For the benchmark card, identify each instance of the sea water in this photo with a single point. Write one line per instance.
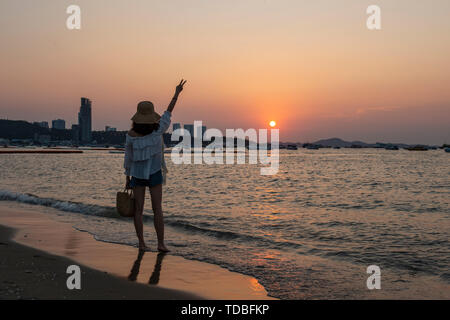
(309, 232)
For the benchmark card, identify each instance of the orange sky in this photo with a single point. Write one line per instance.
(312, 66)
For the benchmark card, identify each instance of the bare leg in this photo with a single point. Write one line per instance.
(156, 195)
(139, 198)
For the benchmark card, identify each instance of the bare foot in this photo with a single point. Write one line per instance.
(162, 248)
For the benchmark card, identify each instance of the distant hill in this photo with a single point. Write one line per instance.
(336, 142)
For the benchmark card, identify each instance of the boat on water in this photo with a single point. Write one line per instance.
(417, 148)
(391, 148)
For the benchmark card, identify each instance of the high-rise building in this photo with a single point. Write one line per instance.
(59, 124)
(85, 120)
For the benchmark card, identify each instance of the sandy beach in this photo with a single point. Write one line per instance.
(36, 250)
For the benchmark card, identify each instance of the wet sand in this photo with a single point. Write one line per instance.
(28, 273)
(36, 250)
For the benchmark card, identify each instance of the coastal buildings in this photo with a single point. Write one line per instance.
(176, 126)
(43, 124)
(190, 129)
(75, 134)
(194, 131)
(85, 121)
(42, 138)
(203, 131)
(200, 131)
(59, 124)
(4, 142)
(110, 129)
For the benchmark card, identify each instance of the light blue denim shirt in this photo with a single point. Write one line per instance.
(143, 155)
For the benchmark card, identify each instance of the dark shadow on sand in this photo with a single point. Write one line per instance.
(154, 278)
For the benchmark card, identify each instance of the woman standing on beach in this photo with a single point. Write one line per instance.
(143, 163)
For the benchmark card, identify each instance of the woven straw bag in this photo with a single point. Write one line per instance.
(125, 203)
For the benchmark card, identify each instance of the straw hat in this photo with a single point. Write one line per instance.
(146, 113)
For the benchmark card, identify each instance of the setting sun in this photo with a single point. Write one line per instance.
(272, 123)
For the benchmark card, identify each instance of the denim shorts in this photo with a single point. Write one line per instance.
(154, 180)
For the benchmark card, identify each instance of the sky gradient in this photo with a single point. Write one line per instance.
(312, 66)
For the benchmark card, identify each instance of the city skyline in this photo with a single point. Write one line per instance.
(314, 68)
(189, 127)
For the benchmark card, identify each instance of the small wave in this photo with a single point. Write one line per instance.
(196, 229)
(338, 224)
(68, 206)
(230, 235)
(446, 277)
(110, 212)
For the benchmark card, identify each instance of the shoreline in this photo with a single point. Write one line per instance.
(36, 251)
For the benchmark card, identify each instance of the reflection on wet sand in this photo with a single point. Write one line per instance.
(136, 266)
(72, 244)
(154, 278)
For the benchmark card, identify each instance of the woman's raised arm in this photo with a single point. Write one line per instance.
(178, 89)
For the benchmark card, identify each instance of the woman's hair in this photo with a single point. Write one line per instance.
(144, 128)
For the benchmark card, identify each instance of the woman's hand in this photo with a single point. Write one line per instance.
(127, 183)
(180, 86)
